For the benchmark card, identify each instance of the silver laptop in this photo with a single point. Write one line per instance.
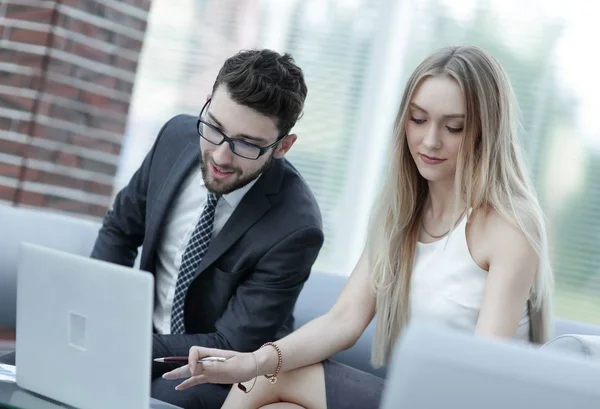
(438, 368)
(84, 330)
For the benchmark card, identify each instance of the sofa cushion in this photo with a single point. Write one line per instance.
(57, 231)
(566, 327)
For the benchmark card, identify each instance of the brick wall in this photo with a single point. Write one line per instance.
(67, 69)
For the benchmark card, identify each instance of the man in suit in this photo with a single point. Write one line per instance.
(227, 226)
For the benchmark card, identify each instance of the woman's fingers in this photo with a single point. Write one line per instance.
(184, 372)
(201, 352)
(193, 357)
(236, 368)
(181, 372)
(194, 380)
(197, 353)
(214, 372)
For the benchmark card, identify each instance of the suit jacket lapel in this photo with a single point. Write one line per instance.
(177, 174)
(252, 207)
(240, 221)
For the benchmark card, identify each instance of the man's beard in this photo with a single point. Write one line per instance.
(238, 179)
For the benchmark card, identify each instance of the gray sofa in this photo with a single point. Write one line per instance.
(58, 231)
(321, 291)
(77, 236)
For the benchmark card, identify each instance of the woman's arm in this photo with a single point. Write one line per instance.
(314, 342)
(337, 330)
(513, 264)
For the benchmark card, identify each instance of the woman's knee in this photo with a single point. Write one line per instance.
(259, 394)
(303, 386)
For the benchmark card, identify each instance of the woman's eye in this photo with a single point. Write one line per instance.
(417, 120)
(454, 130)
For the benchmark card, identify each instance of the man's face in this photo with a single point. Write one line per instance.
(222, 170)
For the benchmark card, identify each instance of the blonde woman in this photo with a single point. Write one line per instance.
(457, 237)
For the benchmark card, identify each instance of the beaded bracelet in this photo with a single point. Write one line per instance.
(273, 377)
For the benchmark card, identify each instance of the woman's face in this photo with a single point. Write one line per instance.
(435, 127)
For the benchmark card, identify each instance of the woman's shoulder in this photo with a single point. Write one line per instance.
(494, 223)
(492, 234)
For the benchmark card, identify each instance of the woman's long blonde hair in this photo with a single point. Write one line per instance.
(490, 174)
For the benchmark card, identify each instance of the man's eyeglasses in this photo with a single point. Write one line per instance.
(247, 150)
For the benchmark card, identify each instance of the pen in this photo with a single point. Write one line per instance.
(184, 359)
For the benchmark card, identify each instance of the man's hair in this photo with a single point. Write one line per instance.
(268, 82)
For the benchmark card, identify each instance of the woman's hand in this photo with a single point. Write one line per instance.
(238, 367)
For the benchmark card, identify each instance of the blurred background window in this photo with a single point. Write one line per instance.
(357, 55)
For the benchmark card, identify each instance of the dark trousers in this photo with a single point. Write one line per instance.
(206, 396)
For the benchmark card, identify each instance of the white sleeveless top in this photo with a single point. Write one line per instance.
(447, 285)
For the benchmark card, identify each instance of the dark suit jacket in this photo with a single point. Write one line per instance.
(247, 284)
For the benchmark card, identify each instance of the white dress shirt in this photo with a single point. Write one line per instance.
(180, 223)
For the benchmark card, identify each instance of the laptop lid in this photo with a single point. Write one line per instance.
(84, 330)
(440, 368)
